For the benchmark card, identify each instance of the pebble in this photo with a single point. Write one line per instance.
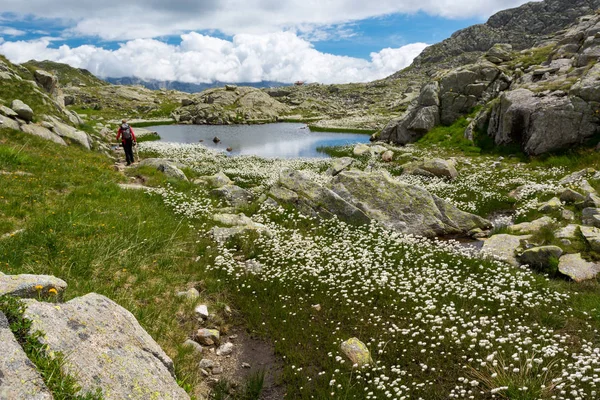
(316, 307)
(225, 349)
(205, 363)
(245, 365)
(202, 311)
(195, 345)
(217, 370)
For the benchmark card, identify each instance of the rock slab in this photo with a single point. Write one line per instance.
(31, 286)
(578, 269)
(18, 377)
(105, 347)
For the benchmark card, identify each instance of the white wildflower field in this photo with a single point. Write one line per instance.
(440, 320)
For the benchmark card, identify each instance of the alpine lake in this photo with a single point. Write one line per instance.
(277, 140)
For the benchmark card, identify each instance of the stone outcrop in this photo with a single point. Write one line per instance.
(578, 269)
(105, 347)
(169, 168)
(432, 167)
(222, 106)
(504, 247)
(23, 110)
(31, 286)
(18, 377)
(358, 197)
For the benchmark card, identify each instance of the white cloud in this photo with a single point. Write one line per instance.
(8, 31)
(119, 20)
(280, 56)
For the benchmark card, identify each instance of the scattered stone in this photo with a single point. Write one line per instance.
(283, 194)
(585, 187)
(234, 195)
(65, 131)
(207, 337)
(229, 149)
(245, 365)
(23, 110)
(540, 257)
(218, 180)
(531, 227)
(591, 217)
(592, 201)
(165, 166)
(7, 112)
(356, 351)
(201, 311)
(225, 349)
(388, 156)
(18, 377)
(31, 286)
(552, 205)
(316, 307)
(500, 53)
(574, 177)
(571, 196)
(504, 247)
(568, 232)
(435, 166)
(205, 363)
(216, 140)
(195, 345)
(339, 164)
(105, 347)
(190, 294)
(6, 122)
(568, 215)
(592, 236)
(377, 149)
(204, 372)
(575, 267)
(217, 370)
(361, 149)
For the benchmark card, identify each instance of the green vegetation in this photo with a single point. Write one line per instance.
(146, 124)
(451, 137)
(66, 74)
(315, 128)
(535, 56)
(61, 385)
(148, 138)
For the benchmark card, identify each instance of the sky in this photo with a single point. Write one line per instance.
(203, 41)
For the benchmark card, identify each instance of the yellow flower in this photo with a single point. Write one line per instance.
(52, 291)
(38, 287)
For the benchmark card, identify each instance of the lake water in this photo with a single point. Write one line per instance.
(282, 140)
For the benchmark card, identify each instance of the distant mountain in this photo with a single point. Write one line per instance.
(188, 87)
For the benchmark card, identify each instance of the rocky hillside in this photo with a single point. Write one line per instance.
(543, 99)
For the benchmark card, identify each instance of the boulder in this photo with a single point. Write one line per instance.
(592, 236)
(499, 53)
(7, 112)
(567, 215)
(361, 149)
(208, 337)
(31, 286)
(540, 257)
(578, 269)
(388, 156)
(201, 311)
(571, 196)
(282, 194)
(218, 180)
(403, 207)
(234, 195)
(42, 132)
(574, 177)
(105, 347)
(18, 377)
(541, 125)
(504, 247)
(591, 217)
(531, 227)
(436, 167)
(165, 166)
(23, 110)
(10, 123)
(339, 164)
(377, 149)
(46, 80)
(235, 220)
(357, 352)
(65, 131)
(553, 204)
(592, 201)
(319, 200)
(568, 232)
(225, 349)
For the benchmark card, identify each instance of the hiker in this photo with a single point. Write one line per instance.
(128, 139)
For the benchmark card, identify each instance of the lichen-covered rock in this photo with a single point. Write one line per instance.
(42, 132)
(340, 164)
(504, 247)
(6, 122)
(578, 269)
(592, 201)
(105, 347)
(234, 195)
(18, 377)
(31, 286)
(65, 131)
(571, 196)
(500, 53)
(541, 257)
(361, 149)
(167, 167)
(435, 166)
(551, 205)
(218, 180)
(592, 236)
(357, 352)
(531, 227)
(568, 232)
(208, 337)
(591, 217)
(23, 110)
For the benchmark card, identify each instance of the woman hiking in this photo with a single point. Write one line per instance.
(128, 139)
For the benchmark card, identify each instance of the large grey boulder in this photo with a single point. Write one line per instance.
(540, 257)
(105, 347)
(541, 125)
(434, 166)
(403, 207)
(571, 196)
(234, 195)
(592, 201)
(31, 286)
(500, 53)
(18, 377)
(592, 236)
(46, 80)
(7, 112)
(591, 217)
(218, 180)
(43, 133)
(6, 122)
(65, 131)
(504, 247)
(578, 269)
(23, 110)
(320, 200)
(167, 167)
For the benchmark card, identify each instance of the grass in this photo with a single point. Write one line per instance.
(153, 123)
(314, 128)
(451, 137)
(61, 385)
(148, 138)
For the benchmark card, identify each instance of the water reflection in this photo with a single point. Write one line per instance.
(282, 140)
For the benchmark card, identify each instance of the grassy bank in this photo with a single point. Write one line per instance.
(315, 128)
